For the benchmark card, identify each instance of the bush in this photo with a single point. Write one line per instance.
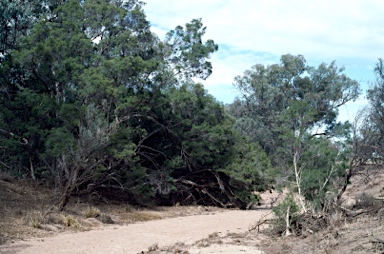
(288, 205)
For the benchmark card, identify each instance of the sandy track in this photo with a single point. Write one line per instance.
(134, 238)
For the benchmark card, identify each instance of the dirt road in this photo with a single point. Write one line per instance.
(134, 238)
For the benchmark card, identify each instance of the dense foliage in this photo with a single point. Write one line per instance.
(93, 101)
(291, 109)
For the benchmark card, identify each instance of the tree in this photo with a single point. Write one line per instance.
(367, 140)
(373, 128)
(286, 106)
(186, 52)
(93, 100)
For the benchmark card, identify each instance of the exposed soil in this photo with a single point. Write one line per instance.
(141, 236)
(112, 228)
(117, 228)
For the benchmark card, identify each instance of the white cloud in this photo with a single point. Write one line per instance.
(306, 27)
(260, 31)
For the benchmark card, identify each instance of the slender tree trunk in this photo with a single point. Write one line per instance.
(298, 181)
(287, 225)
(347, 177)
(31, 168)
(68, 190)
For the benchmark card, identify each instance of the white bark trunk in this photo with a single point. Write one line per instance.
(298, 182)
(287, 225)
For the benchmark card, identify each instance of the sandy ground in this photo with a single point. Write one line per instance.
(140, 237)
(134, 238)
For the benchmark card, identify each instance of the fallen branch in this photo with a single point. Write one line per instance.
(204, 191)
(351, 213)
(260, 222)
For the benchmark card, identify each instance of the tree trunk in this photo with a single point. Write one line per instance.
(68, 190)
(31, 168)
(287, 223)
(298, 181)
(347, 177)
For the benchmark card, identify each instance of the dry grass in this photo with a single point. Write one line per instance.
(178, 248)
(92, 212)
(69, 221)
(139, 216)
(34, 219)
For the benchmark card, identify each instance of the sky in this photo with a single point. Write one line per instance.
(260, 31)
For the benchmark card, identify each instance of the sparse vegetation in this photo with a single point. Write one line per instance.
(153, 247)
(70, 221)
(34, 220)
(92, 212)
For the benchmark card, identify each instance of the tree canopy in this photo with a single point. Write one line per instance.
(291, 110)
(92, 100)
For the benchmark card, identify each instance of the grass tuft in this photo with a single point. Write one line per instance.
(92, 212)
(69, 221)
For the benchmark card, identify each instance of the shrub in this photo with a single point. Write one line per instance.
(286, 213)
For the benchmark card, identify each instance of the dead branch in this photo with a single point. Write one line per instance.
(218, 192)
(260, 222)
(351, 213)
(204, 191)
(5, 165)
(195, 184)
(219, 181)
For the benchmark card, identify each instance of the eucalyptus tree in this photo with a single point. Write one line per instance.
(291, 110)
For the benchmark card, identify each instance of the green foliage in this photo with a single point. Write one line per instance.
(251, 166)
(286, 210)
(186, 51)
(93, 99)
(281, 209)
(17, 17)
(325, 161)
(284, 105)
(250, 170)
(293, 95)
(204, 131)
